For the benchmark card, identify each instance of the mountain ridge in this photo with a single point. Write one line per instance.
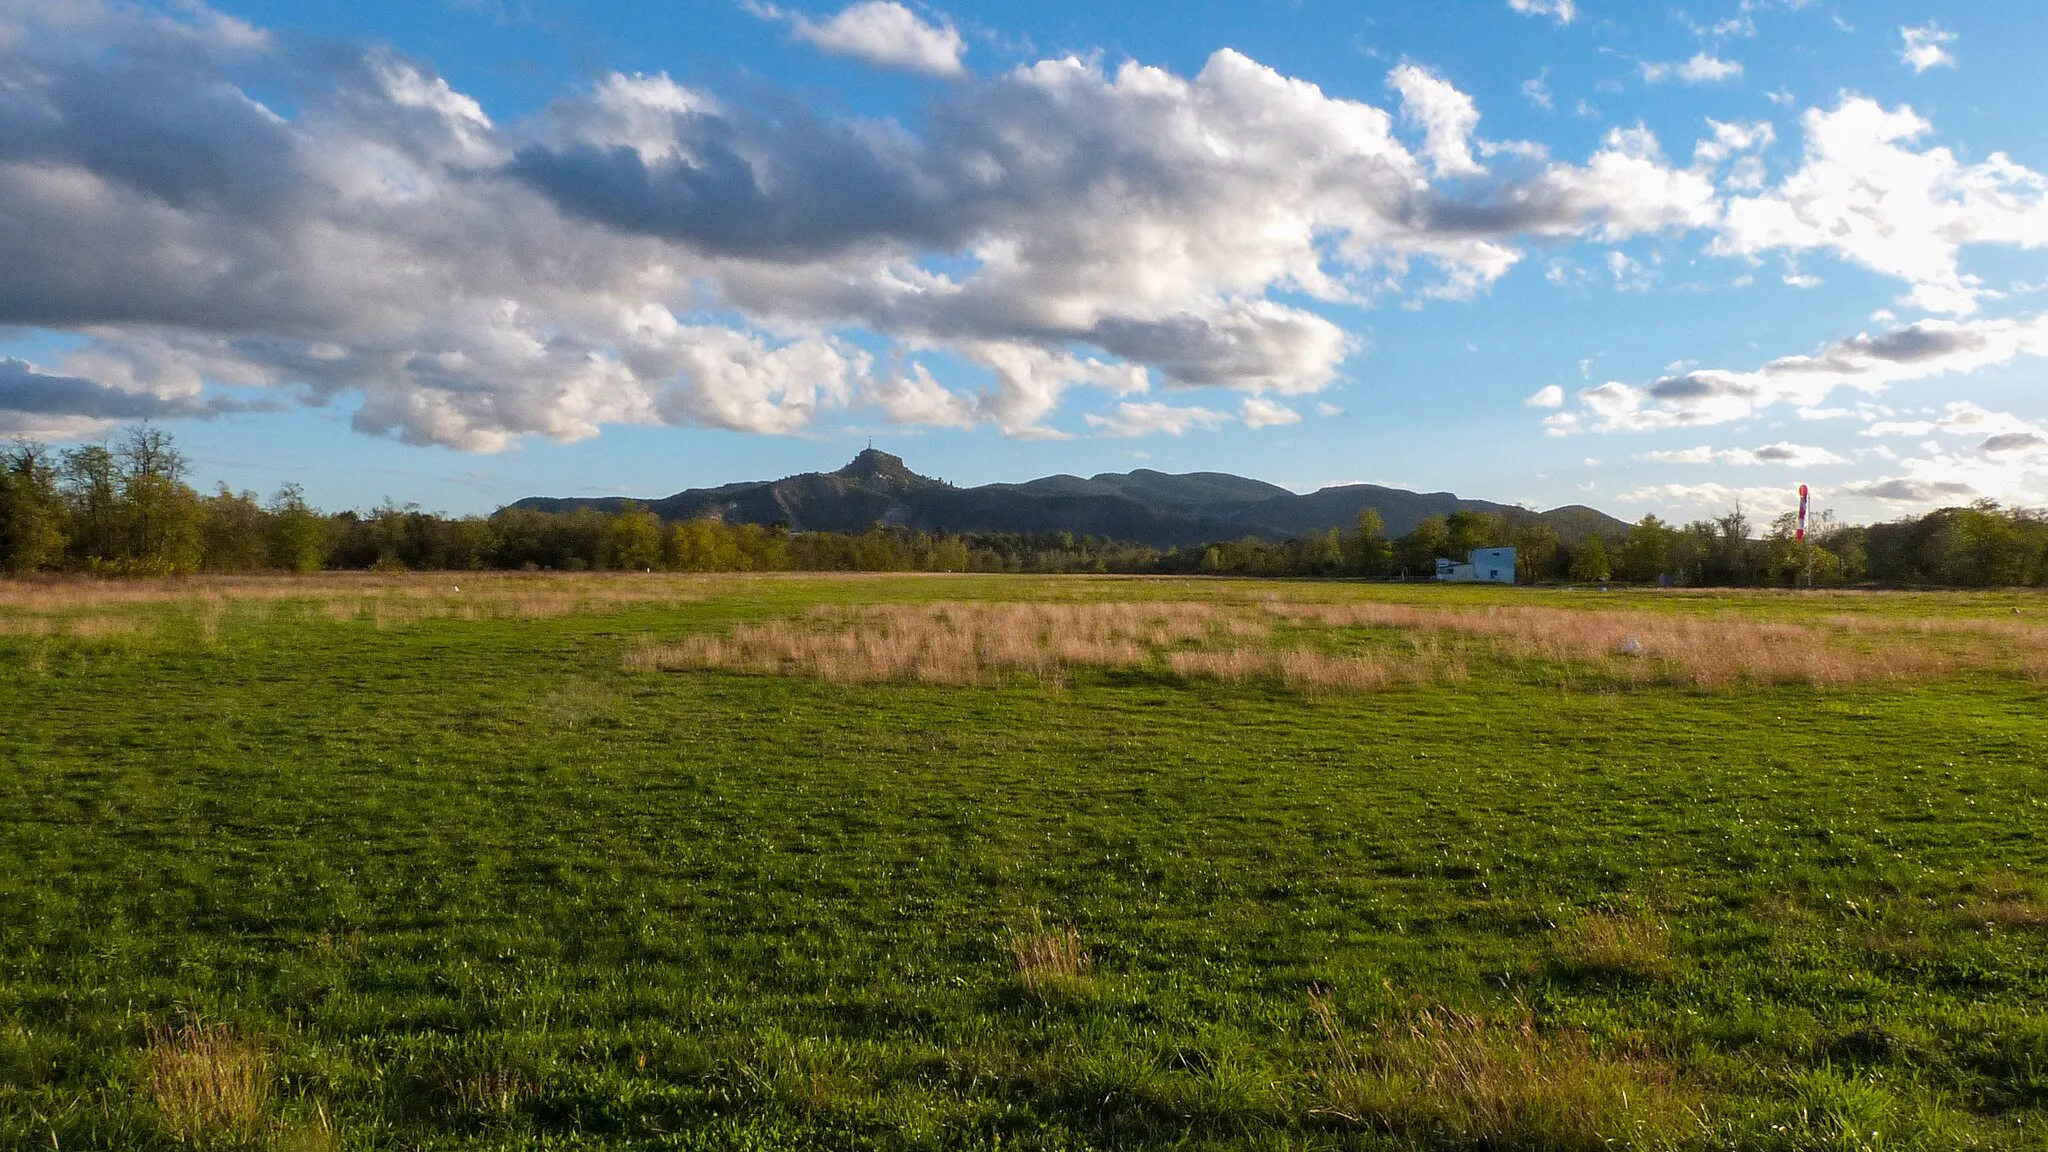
(1143, 506)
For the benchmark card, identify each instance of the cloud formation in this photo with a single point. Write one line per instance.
(1764, 500)
(1446, 116)
(1972, 453)
(1863, 195)
(1259, 412)
(646, 252)
(1926, 47)
(1700, 68)
(1149, 419)
(1961, 418)
(1864, 362)
(1908, 490)
(1782, 454)
(878, 32)
(1562, 11)
(34, 403)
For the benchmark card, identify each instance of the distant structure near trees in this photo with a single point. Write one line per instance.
(1487, 566)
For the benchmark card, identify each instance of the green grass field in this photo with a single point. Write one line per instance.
(362, 864)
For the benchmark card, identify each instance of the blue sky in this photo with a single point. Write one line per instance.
(1651, 259)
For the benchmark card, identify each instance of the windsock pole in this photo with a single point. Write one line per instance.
(1800, 535)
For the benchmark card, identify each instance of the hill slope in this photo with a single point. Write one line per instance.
(1146, 507)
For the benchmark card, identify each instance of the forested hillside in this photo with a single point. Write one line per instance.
(1142, 507)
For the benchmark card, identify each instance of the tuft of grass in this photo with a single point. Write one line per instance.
(1616, 944)
(1837, 1110)
(1434, 1076)
(209, 1084)
(315, 1134)
(491, 1091)
(1051, 961)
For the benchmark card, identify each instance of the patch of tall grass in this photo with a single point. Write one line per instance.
(210, 1084)
(1051, 961)
(1668, 647)
(978, 643)
(1438, 1076)
(952, 643)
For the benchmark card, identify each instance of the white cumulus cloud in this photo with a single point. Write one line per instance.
(880, 32)
(1926, 46)
(1149, 419)
(1962, 418)
(1562, 11)
(1757, 501)
(1446, 116)
(1732, 139)
(1867, 197)
(1700, 68)
(914, 397)
(1868, 363)
(1259, 412)
(1783, 454)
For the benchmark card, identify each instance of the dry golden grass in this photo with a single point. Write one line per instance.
(1669, 647)
(208, 1083)
(1438, 1072)
(951, 643)
(1051, 961)
(978, 643)
(383, 599)
(1055, 626)
(1615, 944)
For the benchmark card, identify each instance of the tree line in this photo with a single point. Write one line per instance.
(1979, 546)
(125, 509)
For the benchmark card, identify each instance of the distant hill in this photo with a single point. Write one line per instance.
(1145, 507)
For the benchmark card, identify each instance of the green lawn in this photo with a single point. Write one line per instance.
(455, 882)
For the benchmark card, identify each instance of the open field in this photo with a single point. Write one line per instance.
(602, 861)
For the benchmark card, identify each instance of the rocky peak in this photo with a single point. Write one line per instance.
(874, 466)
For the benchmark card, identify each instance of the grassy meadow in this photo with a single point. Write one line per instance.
(828, 862)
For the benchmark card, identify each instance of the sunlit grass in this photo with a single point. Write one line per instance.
(1082, 863)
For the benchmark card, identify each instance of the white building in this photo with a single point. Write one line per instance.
(1488, 566)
